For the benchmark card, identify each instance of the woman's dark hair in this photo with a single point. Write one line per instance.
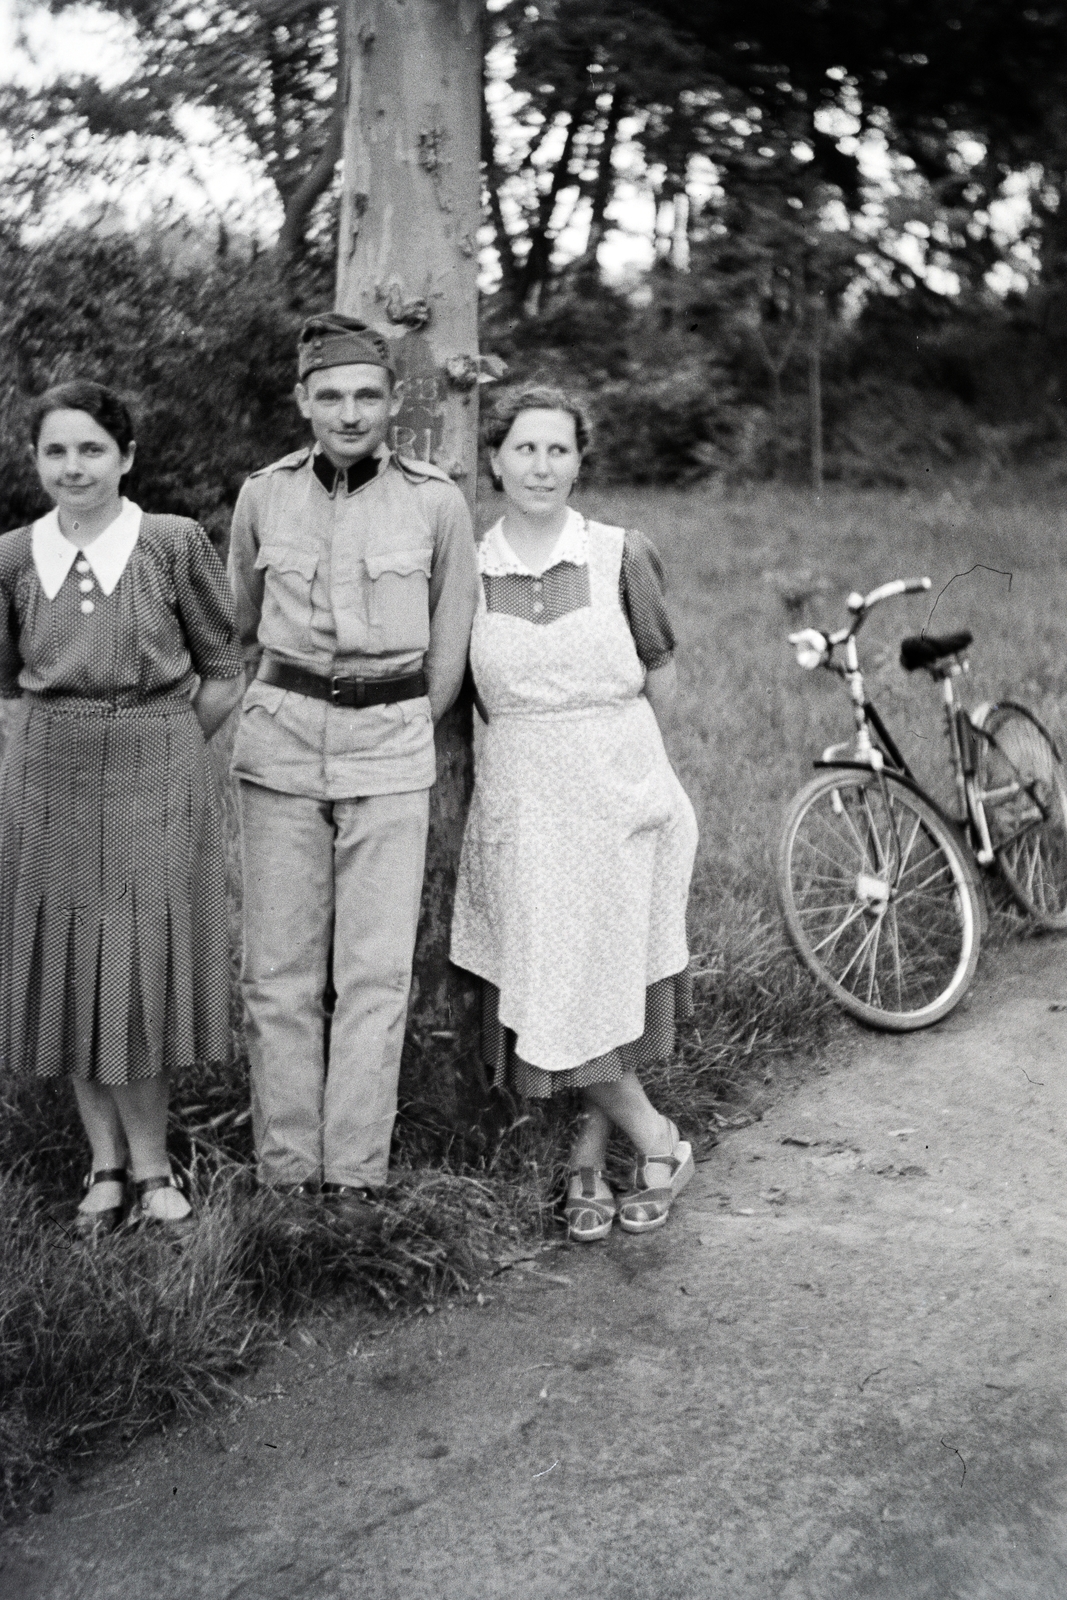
(81, 394)
(539, 397)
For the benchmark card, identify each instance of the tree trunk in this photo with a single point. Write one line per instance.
(817, 315)
(494, 180)
(407, 264)
(538, 262)
(603, 187)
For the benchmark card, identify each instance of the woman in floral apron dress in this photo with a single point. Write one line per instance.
(579, 847)
(118, 657)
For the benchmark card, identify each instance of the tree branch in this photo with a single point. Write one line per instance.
(493, 180)
(299, 202)
(603, 186)
(536, 265)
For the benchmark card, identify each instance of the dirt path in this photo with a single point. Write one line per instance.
(839, 1372)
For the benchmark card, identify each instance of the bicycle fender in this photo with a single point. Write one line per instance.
(966, 849)
(981, 714)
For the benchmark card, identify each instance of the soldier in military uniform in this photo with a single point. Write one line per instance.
(355, 580)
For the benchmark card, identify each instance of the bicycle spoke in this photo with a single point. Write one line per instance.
(906, 852)
(873, 961)
(857, 954)
(1028, 829)
(876, 899)
(832, 937)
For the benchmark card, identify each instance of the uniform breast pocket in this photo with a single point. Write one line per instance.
(399, 608)
(287, 592)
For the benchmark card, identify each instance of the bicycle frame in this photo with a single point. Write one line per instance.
(962, 727)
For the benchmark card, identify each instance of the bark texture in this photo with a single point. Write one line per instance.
(407, 264)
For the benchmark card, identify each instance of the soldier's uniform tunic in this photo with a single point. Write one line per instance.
(367, 575)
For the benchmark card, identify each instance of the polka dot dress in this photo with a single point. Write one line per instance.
(114, 959)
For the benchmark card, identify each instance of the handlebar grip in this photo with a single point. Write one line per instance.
(887, 591)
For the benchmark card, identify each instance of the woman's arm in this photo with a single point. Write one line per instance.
(214, 700)
(661, 689)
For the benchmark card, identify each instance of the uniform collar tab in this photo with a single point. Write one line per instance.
(360, 472)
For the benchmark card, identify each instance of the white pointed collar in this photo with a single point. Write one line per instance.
(498, 559)
(107, 555)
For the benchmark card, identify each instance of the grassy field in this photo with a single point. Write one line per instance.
(125, 1336)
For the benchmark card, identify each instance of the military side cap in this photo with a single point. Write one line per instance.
(331, 339)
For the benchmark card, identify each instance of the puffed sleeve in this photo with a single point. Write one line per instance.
(10, 659)
(642, 584)
(205, 607)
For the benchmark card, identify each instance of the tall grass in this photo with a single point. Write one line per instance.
(132, 1331)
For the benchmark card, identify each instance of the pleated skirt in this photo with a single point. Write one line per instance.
(114, 959)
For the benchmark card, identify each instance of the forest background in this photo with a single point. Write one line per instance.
(845, 226)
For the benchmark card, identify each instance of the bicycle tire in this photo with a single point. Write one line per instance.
(879, 899)
(1031, 851)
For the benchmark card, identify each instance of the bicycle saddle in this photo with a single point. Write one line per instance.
(922, 650)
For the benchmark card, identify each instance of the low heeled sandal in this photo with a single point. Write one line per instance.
(645, 1208)
(174, 1227)
(589, 1216)
(98, 1224)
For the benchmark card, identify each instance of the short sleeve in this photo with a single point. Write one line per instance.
(642, 583)
(205, 607)
(10, 658)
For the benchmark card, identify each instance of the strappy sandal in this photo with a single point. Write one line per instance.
(589, 1217)
(93, 1225)
(177, 1228)
(645, 1208)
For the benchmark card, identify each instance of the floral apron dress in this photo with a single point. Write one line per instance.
(579, 847)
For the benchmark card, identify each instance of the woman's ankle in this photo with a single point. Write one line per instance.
(107, 1196)
(661, 1142)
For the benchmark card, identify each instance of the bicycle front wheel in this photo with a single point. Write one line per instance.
(879, 899)
(1023, 790)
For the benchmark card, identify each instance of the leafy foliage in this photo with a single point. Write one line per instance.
(770, 96)
(201, 347)
(773, 95)
(267, 71)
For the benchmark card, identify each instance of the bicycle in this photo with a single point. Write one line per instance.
(880, 886)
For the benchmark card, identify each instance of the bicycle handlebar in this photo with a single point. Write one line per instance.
(887, 591)
(815, 648)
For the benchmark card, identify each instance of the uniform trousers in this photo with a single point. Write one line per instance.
(316, 872)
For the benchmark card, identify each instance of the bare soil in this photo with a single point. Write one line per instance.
(839, 1371)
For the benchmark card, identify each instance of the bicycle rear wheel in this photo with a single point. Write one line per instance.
(1017, 761)
(879, 899)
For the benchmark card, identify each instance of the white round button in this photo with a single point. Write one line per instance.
(83, 566)
(86, 585)
(87, 606)
(538, 607)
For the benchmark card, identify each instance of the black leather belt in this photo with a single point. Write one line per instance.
(350, 692)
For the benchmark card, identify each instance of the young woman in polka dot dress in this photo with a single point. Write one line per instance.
(118, 654)
(579, 847)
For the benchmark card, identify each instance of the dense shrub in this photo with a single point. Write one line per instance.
(201, 347)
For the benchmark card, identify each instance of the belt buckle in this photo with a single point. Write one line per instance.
(347, 692)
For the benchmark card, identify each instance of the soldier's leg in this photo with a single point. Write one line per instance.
(379, 857)
(287, 857)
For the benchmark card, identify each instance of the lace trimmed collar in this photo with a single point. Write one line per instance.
(107, 555)
(498, 560)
